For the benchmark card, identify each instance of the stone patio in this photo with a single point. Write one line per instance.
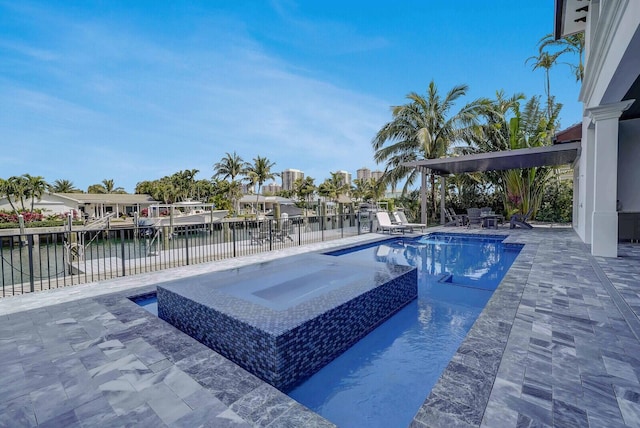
(557, 345)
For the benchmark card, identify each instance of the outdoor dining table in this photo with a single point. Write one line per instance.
(490, 220)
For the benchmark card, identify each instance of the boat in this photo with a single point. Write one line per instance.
(181, 214)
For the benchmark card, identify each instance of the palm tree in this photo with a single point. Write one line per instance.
(184, 183)
(35, 188)
(421, 129)
(573, 44)
(231, 166)
(361, 189)
(305, 188)
(63, 186)
(546, 61)
(6, 189)
(16, 187)
(507, 127)
(259, 173)
(107, 186)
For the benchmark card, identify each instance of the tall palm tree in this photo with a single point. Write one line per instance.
(259, 172)
(63, 186)
(421, 129)
(35, 188)
(546, 61)
(305, 188)
(230, 167)
(573, 44)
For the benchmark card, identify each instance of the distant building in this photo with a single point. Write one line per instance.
(377, 175)
(289, 176)
(346, 177)
(363, 174)
(271, 188)
(93, 205)
(248, 189)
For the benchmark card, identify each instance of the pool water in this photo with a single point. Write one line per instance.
(384, 378)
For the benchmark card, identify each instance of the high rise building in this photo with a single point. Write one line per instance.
(289, 176)
(363, 174)
(376, 175)
(271, 188)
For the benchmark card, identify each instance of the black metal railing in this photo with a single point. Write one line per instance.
(41, 261)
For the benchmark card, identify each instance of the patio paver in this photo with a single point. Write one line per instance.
(555, 346)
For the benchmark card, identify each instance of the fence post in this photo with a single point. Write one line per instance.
(30, 247)
(122, 251)
(186, 242)
(233, 236)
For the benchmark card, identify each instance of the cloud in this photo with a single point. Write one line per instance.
(122, 105)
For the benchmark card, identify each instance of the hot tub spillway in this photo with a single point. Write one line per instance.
(284, 320)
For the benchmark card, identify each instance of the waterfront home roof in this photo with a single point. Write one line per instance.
(108, 198)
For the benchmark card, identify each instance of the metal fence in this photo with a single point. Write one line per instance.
(40, 261)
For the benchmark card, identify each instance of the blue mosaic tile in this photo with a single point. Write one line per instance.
(284, 320)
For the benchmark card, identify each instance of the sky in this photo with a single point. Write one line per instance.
(135, 91)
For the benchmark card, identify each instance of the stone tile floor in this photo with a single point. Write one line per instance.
(557, 345)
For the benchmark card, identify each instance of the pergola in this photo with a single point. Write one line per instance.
(557, 154)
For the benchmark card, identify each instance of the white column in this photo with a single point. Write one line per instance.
(604, 224)
(586, 179)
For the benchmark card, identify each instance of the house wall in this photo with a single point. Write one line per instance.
(628, 165)
(49, 205)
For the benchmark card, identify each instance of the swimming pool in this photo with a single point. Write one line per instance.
(383, 379)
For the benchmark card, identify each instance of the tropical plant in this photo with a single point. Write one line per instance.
(259, 172)
(35, 188)
(573, 44)
(304, 188)
(421, 129)
(106, 186)
(507, 127)
(361, 189)
(63, 186)
(333, 187)
(230, 167)
(546, 61)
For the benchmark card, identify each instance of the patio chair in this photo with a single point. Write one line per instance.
(521, 220)
(261, 234)
(452, 219)
(401, 219)
(384, 223)
(475, 218)
(461, 219)
(283, 231)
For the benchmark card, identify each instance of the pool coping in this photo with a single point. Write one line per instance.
(461, 394)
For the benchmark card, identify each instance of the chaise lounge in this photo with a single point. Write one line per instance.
(384, 223)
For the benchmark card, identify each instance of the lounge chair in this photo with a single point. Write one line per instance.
(384, 223)
(474, 216)
(521, 220)
(283, 231)
(459, 219)
(260, 235)
(401, 219)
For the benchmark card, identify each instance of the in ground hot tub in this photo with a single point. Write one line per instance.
(285, 319)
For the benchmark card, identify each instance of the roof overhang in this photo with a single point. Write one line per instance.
(559, 154)
(570, 17)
